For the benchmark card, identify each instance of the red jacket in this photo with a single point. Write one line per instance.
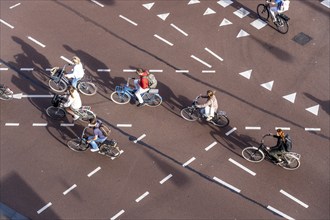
(144, 82)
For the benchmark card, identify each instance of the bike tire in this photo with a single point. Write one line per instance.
(87, 116)
(109, 151)
(59, 87)
(152, 100)
(120, 98)
(76, 145)
(87, 88)
(6, 96)
(263, 12)
(252, 154)
(189, 114)
(290, 163)
(220, 121)
(55, 112)
(282, 25)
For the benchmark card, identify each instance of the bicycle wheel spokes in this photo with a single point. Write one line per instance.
(55, 113)
(282, 25)
(76, 145)
(152, 100)
(57, 87)
(263, 12)
(87, 115)
(290, 163)
(220, 121)
(87, 88)
(252, 154)
(189, 113)
(120, 97)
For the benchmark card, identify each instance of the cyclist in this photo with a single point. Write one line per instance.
(277, 150)
(77, 73)
(73, 104)
(210, 106)
(98, 136)
(141, 85)
(275, 7)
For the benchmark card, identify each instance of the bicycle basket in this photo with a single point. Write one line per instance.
(119, 88)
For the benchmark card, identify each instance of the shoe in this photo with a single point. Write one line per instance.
(95, 149)
(75, 118)
(140, 104)
(209, 118)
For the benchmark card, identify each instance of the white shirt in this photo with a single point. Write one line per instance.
(77, 71)
(74, 102)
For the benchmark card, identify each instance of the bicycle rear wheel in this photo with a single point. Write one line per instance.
(220, 121)
(120, 97)
(87, 115)
(189, 113)
(290, 163)
(252, 154)
(152, 100)
(59, 87)
(263, 12)
(282, 25)
(55, 113)
(77, 145)
(87, 88)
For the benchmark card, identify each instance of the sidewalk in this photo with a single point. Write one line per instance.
(7, 213)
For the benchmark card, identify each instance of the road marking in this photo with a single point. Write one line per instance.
(39, 124)
(12, 124)
(193, 2)
(67, 124)
(189, 161)
(66, 59)
(241, 13)
(11, 7)
(214, 54)
(227, 184)
(231, 131)
(35, 41)
(182, 71)
(163, 16)
(268, 85)
(37, 96)
(162, 39)
(129, 70)
(139, 138)
(155, 71)
(98, 3)
(208, 71)
(283, 128)
(291, 97)
(279, 212)
(312, 129)
(314, 109)
(103, 70)
(44, 208)
(4, 68)
(246, 74)
(209, 11)
(225, 22)
(142, 196)
(166, 178)
(294, 199)
(258, 24)
(180, 30)
(326, 3)
(68, 190)
(117, 215)
(148, 5)
(242, 167)
(201, 61)
(26, 69)
(242, 33)
(224, 3)
(210, 146)
(128, 20)
(5, 23)
(94, 171)
(252, 128)
(124, 125)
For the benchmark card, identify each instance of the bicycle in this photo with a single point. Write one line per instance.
(5, 93)
(192, 113)
(123, 94)
(108, 148)
(290, 160)
(57, 111)
(59, 83)
(281, 22)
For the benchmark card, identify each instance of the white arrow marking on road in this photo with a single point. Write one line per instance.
(290, 97)
(35, 41)
(148, 5)
(246, 74)
(214, 54)
(224, 3)
(163, 16)
(209, 11)
(11, 7)
(5, 23)
(268, 85)
(201, 61)
(66, 59)
(191, 2)
(314, 109)
(241, 13)
(242, 33)
(225, 22)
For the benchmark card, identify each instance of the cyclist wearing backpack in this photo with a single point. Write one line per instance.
(280, 147)
(141, 85)
(98, 137)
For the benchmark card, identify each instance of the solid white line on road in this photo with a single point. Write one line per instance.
(93, 172)
(283, 128)
(231, 131)
(98, 3)
(68, 190)
(5, 23)
(11, 7)
(117, 215)
(103, 70)
(139, 138)
(66, 59)
(201, 61)
(26, 69)
(178, 29)
(182, 71)
(4, 68)
(128, 20)
(12, 124)
(214, 54)
(35, 41)
(252, 128)
(162, 39)
(242, 167)
(39, 124)
(66, 125)
(294, 199)
(210, 146)
(166, 178)
(142, 196)
(208, 71)
(312, 129)
(155, 71)
(44, 208)
(189, 161)
(279, 213)
(226, 184)
(124, 125)
(129, 70)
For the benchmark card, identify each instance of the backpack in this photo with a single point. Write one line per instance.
(285, 5)
(288, 143)
(105, 129)
(152, 81)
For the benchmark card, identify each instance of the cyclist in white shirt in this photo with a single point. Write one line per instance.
(77, 72)
(73, 103)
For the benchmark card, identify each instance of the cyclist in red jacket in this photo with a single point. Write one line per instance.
(141, 85)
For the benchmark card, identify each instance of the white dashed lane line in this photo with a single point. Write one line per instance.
(67, 125)
(226, 184)
(128, 20)
(14, 6)
(279, 213)
(12, 124)
(312, 129)
(7, 24)
(165, 179)
(39, 124)
(294, 199)
(68, 190)
(142, 196)
(139, 138)
(118, 214)
(189, 161)
(182, 71)
(210, 146)
(98, 3)
(44, 208)
(36, 41)
(178, 29)
(214, 54)
(252, 128)
(242, 167)
(103, 70)
(162, 39)
(26, 69)
(124, 125)
(231, 131)
(283, 128)
(201, 61)
(94, 171)
(208, 71)
(66, 59)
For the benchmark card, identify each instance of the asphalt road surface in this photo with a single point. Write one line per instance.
(170, 168)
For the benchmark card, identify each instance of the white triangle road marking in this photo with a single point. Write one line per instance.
(291, 97)
(225, 22)
(193, 2)
(163, 16)
(209, 11)
(314, 109)
(246, 74)
(148, 5)
(224, 3)
(268, 85)
(242, 33)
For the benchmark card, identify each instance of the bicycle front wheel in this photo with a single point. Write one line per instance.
(263, 12)
(290, 163)
(252, 154)
(87, 88)
(87, 115)
(282, 25)
(59, 87)
(120, 97)
(220, 121)
(189, 113)
(55, 113)
(76, 145)
(152, 100)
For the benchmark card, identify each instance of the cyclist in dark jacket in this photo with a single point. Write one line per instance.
(277, 150)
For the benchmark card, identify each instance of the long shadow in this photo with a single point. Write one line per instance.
(325, 104)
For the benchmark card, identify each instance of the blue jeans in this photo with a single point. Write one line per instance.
(74, 82)
(94, 143)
